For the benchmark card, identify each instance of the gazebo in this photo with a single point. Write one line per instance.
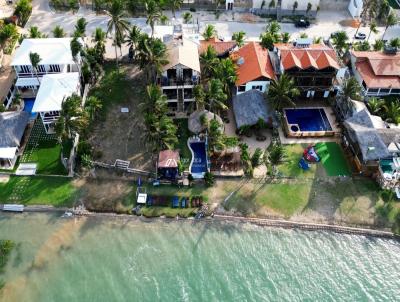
(194, 123)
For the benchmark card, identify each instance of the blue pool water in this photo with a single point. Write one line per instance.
(28, 107)
(199, 164)
(308, 119)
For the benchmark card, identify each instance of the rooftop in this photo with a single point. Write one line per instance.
(317, 56)
(184, 52)
(249, 107)
(54, 88)
(12, 127)
(168, 159)
(377, 69)
(253, 63)
(221, 47)
(50, 50)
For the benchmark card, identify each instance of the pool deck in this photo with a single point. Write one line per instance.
(306, 140)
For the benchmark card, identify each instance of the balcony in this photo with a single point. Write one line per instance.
(179, 81)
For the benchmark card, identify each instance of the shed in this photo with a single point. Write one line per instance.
(167, 164)
(250, 106)
(12, 128)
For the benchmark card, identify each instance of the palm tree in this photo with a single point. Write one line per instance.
(209, 62)
(295, 5)
(282, 92)
(92, 106)
(117, 23)
(174, 5)
(58, 32)
(226, 73)
(372, 28)
(309, 7)
(99, 37)
(73, 119)
(285, 37)
(80, 28)
(273, 27)
(395, 42)
(375, 105)
(34, 33)
(199, 97)
(317, 40)
(352, 89)
(275, 155)
(339, 40)
(7, 32)
(35, 59)
(76, 50)
(209, 32)
(379, 45)
(216, 96)
(132, 39)
(156, 101)
(391, 20)
(239, 38)
(392, 111)
(153, 13)
(187, 17)
(152, 56)
(361, 46)
(267, 40)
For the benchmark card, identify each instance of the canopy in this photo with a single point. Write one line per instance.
(54, 88)
(8, 152)
(25, 82)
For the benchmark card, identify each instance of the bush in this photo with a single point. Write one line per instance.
(23, 10)
(209, 179)
(256, 159)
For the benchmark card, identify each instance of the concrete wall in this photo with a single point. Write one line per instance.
(249, 85)
(302, 4)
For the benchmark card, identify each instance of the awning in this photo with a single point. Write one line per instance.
(21, 82)
(8, 152)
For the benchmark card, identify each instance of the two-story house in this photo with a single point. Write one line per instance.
(180, 75)
(55, 57)
(254, 68)
(312, 66)
(377, 72)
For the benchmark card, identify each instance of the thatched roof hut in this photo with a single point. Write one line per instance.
(194, 122)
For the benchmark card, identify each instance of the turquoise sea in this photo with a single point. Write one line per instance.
(98, 259)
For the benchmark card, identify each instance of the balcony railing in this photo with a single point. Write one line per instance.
(32, 74)
(177, 81)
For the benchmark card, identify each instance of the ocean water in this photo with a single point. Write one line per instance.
(97, 259)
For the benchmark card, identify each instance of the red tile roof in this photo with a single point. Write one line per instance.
(377, 69)
(168, 159)
(256, 63)
(317, 56)
(221, 47)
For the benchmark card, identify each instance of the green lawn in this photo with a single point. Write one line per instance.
(56, 191)
(170, 190)
(333, 159)
(290, 166)
(183, 135)
(44, 150)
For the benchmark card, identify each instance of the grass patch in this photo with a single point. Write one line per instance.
(169, 190)
(43, 190)
(333, 159)
(290, 166)
(183, 135)
(167, 211)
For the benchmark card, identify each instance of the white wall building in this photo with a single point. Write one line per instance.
(55, 57)
(301, 4)
(54, 89)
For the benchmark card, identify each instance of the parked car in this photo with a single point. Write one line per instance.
(302, 23)
(360, 36)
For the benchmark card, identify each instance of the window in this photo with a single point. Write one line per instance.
(258, 87)
(242, 88)
(25, 69)
(41, 68)
(55, 68)
(395, 91)
(384, 90)
(373, 90)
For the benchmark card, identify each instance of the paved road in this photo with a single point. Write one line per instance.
(45, 19)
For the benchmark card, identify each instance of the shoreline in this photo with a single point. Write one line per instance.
(265, 222)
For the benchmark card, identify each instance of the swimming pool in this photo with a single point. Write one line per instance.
(28, 107)
(198, 165)
(307, 119)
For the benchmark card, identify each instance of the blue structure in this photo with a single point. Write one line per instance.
(28, 107)
(199, 164)
(307, 119)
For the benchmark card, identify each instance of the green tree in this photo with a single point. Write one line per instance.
(80, 28)
(23, 10)
(239, 38)
(34, 33)
(282, 92)
(187, 17)
(395, 42)
(152, 56)
(275, 156)
(295, 6)
(209, 32)
(73, 118)
(216, 96)
(285, 37)
(174, 5)
(117, 23)
(225, 71)
(379, 45)
(58, 32)
(153, 13)
(133, 39)
(35, 59)
(209, 179)
(373, 28)
(339, 40)
(164, 20)
(76, 50)
(352, 89)
(209, 62)
(317, 40)
(199, 97)
(392, 111)
(99, 38)
(216, 138)
(375, 105)
(256, 158)
(391, 20)
(271, 4)
(92, 106)
(309, 7)
(267, 40)
(156, 101)
(7, 33)
(361, 46)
